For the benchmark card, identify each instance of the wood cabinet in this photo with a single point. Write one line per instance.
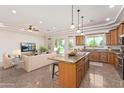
(106, 57)
(91, 56)
(86, 63)
(114, 37)
(99, 56)
(110, 58)
(80, 40)
(116, 62)
(71, 74)
(113, 59)
(80, 66)
(103, 57)
(94, 56)
(108, 38)
(120, 29)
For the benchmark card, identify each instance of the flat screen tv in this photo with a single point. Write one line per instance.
(27, 47)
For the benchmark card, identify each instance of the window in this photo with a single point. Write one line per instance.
(70, 42)
(59, 46)
(95, 40)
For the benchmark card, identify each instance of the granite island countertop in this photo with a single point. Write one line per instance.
(69, 59)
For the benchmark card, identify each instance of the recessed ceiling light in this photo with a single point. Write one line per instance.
(54, 27)
(111, 6)
(79, 24)
(107, 19)
(14, 11)
(41, 22)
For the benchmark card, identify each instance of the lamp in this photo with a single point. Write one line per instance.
(16, 52)
(82, 33)
(72, 24)
(78, 30)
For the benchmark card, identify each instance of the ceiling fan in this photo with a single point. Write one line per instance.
(31, 29)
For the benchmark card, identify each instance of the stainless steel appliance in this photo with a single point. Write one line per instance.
(121, 40)
(120, 67)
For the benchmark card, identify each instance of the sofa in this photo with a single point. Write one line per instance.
(34, 62)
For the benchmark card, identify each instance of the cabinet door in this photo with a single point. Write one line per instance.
(86, 64)
(80, 40)
(96, 56)
(108, 39)
(103, 57)
(79, 74)
(114, 37)
(121, 29)
(77, 40)
(79, 77)
(91, 56)
(83, 69)
(110, 58)
(116, 63)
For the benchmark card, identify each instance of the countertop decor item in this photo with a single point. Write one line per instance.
(72, 53)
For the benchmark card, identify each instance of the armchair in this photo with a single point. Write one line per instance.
(7, 61)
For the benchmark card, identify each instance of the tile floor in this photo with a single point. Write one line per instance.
(100, 75)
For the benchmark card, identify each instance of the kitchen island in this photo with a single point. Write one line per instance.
(72, 69)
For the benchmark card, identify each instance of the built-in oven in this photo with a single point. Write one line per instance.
(120, 68)
(121, 40)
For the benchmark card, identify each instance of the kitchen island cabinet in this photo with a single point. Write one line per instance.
(72, 69)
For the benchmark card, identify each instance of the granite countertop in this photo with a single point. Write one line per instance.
(69, 59)
(103, 50)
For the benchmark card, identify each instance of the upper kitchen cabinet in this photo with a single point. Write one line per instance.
(80, 40)
(108, 38)
(114, 37)
(121, 29)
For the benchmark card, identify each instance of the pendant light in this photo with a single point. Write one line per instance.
(82, 33)
(72, 24)
(78, 30)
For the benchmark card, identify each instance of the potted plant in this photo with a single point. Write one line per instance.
(43, 49)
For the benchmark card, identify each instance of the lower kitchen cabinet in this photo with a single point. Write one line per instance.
(103, 57)
(94, 56)
(81, 70)
(86, 63)
(98, 56)
(111, 58)
(116, 61)
(106, 57)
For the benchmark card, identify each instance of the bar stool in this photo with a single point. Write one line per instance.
(53, 72)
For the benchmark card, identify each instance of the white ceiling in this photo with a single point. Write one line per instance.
(58, 16)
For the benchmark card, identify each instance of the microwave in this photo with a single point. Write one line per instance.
(121, 40)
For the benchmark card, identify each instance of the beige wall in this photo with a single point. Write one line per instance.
(10, 40)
